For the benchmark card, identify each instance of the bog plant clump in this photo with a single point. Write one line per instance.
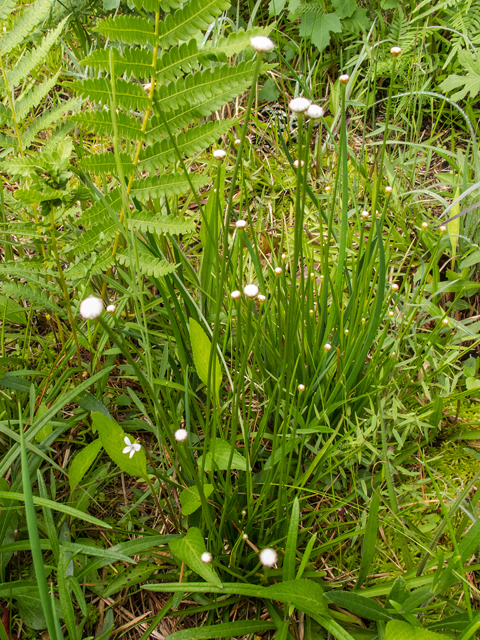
(239, 340)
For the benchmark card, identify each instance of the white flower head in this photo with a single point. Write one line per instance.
(241, 224)
(132, 447)
(445, 321)
(391, 314)
(365, 215)
(219, 154)
(346, 332)
(111, 308)
(236, 295)
(388, 190)
(237, 142)
(278, 271)
(301, 388)
(91, 308)
(299, 105)
(424, 225)
(268, 557)
(328, 189)
(147, 86)
(262, 44)
(181, 435)
(261, 298)
(314, 112)
(344, 78)
(394, 286)
(395, 51)
(245, 536)
(250, 290)
(443, 228)
(327, 346)
(206, 557)
(296, 163)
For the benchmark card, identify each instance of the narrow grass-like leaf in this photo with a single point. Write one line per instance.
(291, 546)
(225, 630)
(369, 540)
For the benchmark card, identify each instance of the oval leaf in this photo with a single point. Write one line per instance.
(188, 550)
(201, 347)
(220, 454)
(82, 463)
(112, 437)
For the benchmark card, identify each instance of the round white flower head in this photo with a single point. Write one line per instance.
(268, 557)
(278, 271)
(236, 295)
(245, 536)
(424, 225)
(91, 308)
(443, 228)
(131, 448)
(244, 512)
(312, 276)
(284, 256)
(346, 332)
(445, 321)
(181, 435)
(111, 308)
(394, 286)
(322, 278)
(344, 78)
(388, 190)
(261, 297)
(390, 314)
(393, 354)
(327, 346)
(395, 51)
(301, 388)
(295, 164)
(328, 189)
(364, 320)
(365, 215)
(299, 105)
(237, 142)
(250, 290)
(262, 44)
(219, 154)
(311, 312)
(206, 557)
(241, 224)
(147, 86)
(314, 112)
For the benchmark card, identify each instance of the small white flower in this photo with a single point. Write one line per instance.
(284, 256)
(394, 286)
(443, 228)
(424, 225)
(311, 312)
(390, 314)
(262, 44)
(344, 78)
(365, 215)
(91, 308)
(250, 290)
(131, 447)
(327, 346)
(295, 164)
(364, 320)
(236, 295)
(237, 142)
(219, 154)
(261, 297)
(244, 512)
(328, 189)
(322, 278)
(388, 190)
(268, 557)
(314, 112)
(181, 435)
(147, 86)
(346, 332)
(241, 224)
(206, 557)
(445, 321)
(301, 388)
(245, 536)
(278, 271)
(111, 308)
(299, 105)
(395, 51)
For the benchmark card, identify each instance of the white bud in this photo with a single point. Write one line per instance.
(261, 297)
(394, 286)
(443, 228)
(311, 312)
(327, 346)
(236, 295)
(278, 271)
(390, 314)
(268, 557)
(111, 308)
(365, 215)
(344, 78)
(424, 225)
(245, 536)
(301, 388)
(241, 224)
(91, 308)
(328, 189)
(219, 154)
(244, 512)
(295, 164)
(181, 435)
(364, 320)
(299, 105)
(395, 51)
(445, 321)
(314, 112)
(250, 290)
(346, 332)
(284, 256)
(388, 190)
(206, 557)
(262, 44)
(237, 142)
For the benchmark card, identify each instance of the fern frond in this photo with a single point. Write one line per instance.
(103, 163)
(237, 41)
(129, 95)
(97, 237)
(37, 298)
(34, 97)
(21, 166)
(6, 8)
(128, 30)
(31, 59)
(95, 265)
(178, 60)
(192, 141)
(146, 221)
(47, 118)
(136, 63)
(170, 5)
(187, 21)
(201, 85)
(25, 24)
(99, 211)
(147, 5)
(100, 122)
(149, 265)
(164, 186)
(8, 142)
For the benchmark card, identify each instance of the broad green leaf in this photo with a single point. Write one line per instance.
(47, 429)
(112, 437)
(219, 456)
(359, 21)
(275, 7)
(190, 498)
(344, 8)
(12, 310)
(31, 610)
(471, 260)
(189, 550)
(226, 630)
(398, 630)
(82, 463)
(317, 27)
(129, 577)
(359, 605)
(201, 347)
(470, 82)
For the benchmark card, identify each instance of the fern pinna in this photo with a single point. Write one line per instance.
(154, 90)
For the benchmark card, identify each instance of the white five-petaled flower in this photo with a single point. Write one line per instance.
(131, 447)
(268, 557)
(250, 290)
(219, 154)
(206, 557)
(181, 435)
(299, 105)
(262, 44)
(314, 112)
(91, 308)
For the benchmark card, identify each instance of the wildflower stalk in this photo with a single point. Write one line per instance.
(344, 219)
